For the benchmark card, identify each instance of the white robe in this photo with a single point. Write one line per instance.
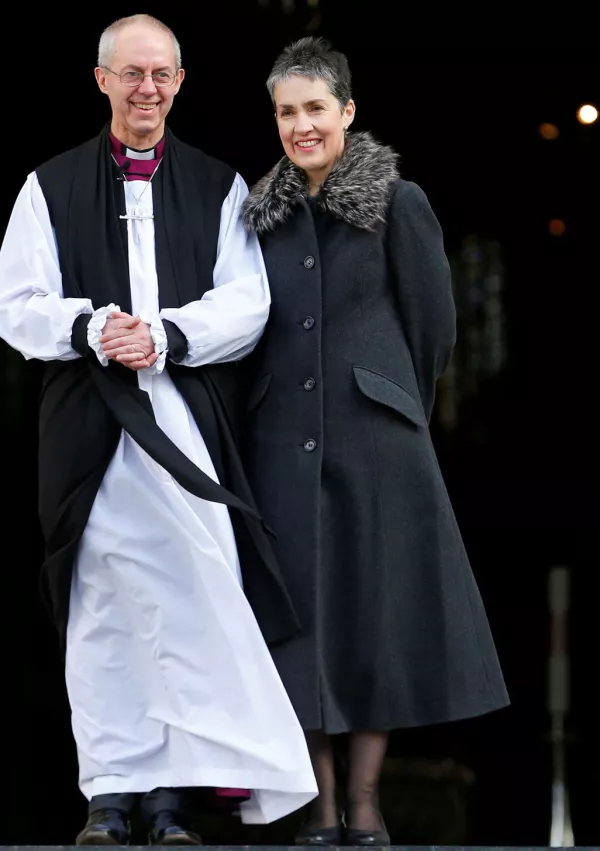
(169, 679)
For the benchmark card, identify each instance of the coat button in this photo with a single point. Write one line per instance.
(308, 323)
(310, 384)
(309, 262)
(310, 445)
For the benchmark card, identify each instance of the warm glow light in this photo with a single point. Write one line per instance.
(549, 131)
(587, 113)
(556, 227)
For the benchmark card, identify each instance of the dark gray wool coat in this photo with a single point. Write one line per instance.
(338, 450)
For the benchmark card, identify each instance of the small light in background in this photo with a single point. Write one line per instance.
(556, 227)
(587, 114)
(549, 131)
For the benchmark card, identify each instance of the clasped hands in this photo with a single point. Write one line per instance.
(127, 340)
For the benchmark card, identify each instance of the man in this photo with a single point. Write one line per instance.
(126, 269)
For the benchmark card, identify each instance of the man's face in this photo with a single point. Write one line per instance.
(139, 111)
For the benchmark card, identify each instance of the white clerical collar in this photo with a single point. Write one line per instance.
(134, 154)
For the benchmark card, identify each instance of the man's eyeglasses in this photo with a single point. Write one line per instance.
(136, 78)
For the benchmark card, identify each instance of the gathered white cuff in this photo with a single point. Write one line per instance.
(95, 328)
(159, 338)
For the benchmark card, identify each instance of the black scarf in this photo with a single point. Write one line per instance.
(85, 198)
(94, 264)
(98, 246)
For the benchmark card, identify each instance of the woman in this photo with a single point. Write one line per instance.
(362, 324)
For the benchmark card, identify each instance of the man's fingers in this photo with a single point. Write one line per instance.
(128, 357)
(113, 333)
(112, 346)
(124, 320)
(142, 363)
(131, 321)
(126, 343)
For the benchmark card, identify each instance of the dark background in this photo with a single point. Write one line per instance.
(520, 461)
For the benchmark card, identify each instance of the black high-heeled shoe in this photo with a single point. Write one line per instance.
(366, 838)
(319, 836)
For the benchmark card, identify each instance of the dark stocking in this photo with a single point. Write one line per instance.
(323, 811)
(366, 752)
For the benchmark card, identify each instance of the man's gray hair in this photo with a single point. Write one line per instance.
(316, 59)
(106, 48)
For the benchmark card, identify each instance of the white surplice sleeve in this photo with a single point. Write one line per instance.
(35, 319)
(228, 321)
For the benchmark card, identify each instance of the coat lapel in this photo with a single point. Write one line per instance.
(357, 191)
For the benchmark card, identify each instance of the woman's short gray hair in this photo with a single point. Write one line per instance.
(106, 48)
(316, 59)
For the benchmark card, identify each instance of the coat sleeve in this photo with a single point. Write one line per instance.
(421, 275)
(35, 318)
(228, 321)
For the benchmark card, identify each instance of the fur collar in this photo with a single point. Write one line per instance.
(357, 190)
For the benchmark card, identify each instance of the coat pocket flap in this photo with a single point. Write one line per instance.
(385, 391)
(258, 392)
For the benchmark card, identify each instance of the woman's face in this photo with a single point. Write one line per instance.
(311, 124)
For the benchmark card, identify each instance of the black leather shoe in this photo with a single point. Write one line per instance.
(319, 836)
(362, 838)
(105, 827)
(166, 828)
